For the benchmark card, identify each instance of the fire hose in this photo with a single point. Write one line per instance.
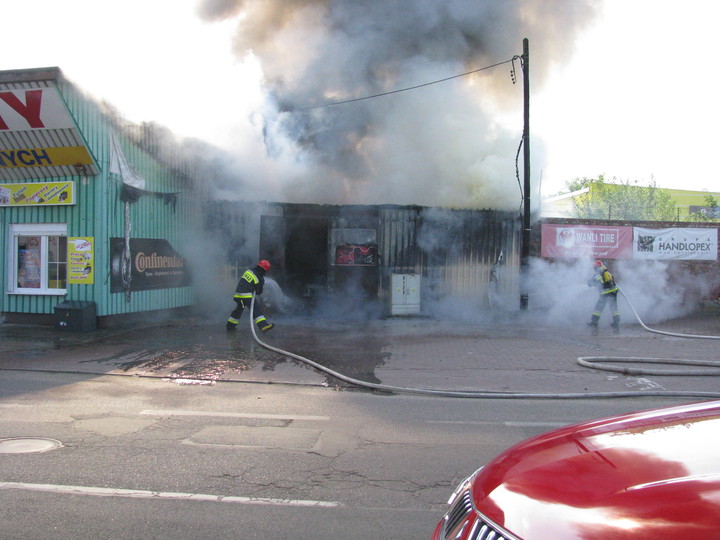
(590, 362)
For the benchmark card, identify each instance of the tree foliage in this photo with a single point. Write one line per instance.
(621, 200)
(711, 213)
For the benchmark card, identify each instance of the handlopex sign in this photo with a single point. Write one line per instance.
(675, 244)
(625, 242)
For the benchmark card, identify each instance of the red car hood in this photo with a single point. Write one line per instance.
(645, 475)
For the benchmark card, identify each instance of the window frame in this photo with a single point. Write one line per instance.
(44, 231)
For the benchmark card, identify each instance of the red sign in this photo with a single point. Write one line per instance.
(586, 241)
(356, 255)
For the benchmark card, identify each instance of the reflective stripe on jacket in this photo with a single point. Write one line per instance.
(252, 281)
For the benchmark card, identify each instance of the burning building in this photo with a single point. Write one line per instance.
(375, 260)
(367, 197)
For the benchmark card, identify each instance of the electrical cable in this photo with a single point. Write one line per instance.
(485, 394)
(343, 102)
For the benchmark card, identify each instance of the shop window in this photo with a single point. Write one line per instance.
(37, 259)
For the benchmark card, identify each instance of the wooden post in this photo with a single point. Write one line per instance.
(525, 248)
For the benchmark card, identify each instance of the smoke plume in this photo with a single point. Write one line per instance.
(439, 145)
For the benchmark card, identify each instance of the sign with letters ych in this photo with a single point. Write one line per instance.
(40, 111)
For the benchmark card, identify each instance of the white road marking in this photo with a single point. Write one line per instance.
(508, 424)
(143, 494)
(537, 424)
(236, 415)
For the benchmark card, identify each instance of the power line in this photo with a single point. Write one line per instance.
(331, 103)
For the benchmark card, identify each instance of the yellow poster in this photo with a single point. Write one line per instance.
(40, 193)
(81, 260)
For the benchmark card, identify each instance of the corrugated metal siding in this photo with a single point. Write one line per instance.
(397, 240)
(99, 213)
(42, 214)
(150, 217)
(453, 250)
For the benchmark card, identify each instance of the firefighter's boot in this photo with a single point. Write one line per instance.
(263, 323)
(231, 325)
(616, 323)
(594, 320)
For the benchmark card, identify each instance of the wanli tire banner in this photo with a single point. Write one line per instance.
(586, 241)
(675, 244)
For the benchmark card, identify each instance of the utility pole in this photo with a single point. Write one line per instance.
(525, 247)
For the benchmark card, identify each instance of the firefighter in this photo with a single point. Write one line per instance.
(252, 281)
(605, 282)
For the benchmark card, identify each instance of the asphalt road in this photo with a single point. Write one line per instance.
(148, 458)
(182, 431)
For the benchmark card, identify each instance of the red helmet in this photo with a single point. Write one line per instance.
(265, 265)
(598, 263)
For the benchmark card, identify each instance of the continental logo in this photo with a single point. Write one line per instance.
(153, 261)
(45, 157)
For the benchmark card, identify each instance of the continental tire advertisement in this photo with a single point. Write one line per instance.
(151, 264)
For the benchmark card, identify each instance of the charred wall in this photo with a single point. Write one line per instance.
(350, 252)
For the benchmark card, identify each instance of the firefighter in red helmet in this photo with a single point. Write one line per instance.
(252, 281)
(604, 281)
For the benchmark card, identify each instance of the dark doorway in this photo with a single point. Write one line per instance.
(272, 244)
(306, 256)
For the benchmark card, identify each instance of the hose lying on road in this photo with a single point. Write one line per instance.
(661, 331)
(597, 362)
(474, 394)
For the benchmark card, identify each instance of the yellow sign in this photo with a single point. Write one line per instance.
(45, 157)
(40, 193)
(81, 260)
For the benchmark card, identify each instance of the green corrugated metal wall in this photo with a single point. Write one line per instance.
(99, 213)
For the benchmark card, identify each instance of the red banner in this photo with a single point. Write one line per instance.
(586, 241)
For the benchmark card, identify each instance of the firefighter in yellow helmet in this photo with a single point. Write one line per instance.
(252, 281)
(604, 281)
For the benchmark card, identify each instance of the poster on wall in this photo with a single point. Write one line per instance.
(699, 244)
(81, 260)
(586, 241)
(154, 264)
(37, 193)
(356, 255)
(29, 264)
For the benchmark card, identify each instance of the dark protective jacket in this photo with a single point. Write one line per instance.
(252, 281)
(604, 281)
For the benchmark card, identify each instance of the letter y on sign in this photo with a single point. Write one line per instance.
(30, 110)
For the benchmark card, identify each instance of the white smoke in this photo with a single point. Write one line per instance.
(438, 145)
(658, 291)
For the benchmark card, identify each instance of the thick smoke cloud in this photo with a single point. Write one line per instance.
(440, 145)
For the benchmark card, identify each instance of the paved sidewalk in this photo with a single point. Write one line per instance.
(507, 355)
